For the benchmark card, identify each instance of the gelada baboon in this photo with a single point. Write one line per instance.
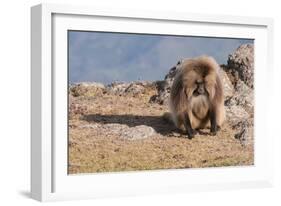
(196, 99)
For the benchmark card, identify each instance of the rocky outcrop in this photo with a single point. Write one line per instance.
(86, 89)
(245, 131)
(235, 114)
(243, 96)
(91, 89)
(117, 88)
(227, 85)
(133, 88)
(240, 64)
(240, 106)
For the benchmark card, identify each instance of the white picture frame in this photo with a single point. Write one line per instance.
(49, 178)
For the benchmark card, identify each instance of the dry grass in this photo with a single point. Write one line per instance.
(96, 150)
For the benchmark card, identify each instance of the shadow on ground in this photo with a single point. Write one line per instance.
(156, 122)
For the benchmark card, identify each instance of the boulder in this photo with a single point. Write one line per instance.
(138, 132)
(117, 88)
(240, 64)
(243, 96)
(86, 89)
(245, 131)
(235, 114)
(134, 88)
(227, 85)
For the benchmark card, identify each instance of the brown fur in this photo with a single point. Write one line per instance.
(184, 101)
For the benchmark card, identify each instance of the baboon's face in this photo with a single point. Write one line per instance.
(197, 82)
(199, 87)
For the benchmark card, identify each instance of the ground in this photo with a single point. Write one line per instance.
(96, 147)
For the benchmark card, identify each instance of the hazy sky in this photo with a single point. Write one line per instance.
(108, 57)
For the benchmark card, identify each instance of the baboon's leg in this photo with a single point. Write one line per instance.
(187, 124)
(213, 120)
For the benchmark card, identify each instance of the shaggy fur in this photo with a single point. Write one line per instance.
(199, 108)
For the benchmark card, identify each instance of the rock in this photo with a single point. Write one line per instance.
(86, 89)
(245, 131)
(77, 90)
(117, 88)
(240, 106)
(243, 96)
(242, 122)
(130, 133)
(240, 70)
(163, 92)
(241, 64)
(235, 114)
(138, 132)
(134, 88)
(227, 85)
